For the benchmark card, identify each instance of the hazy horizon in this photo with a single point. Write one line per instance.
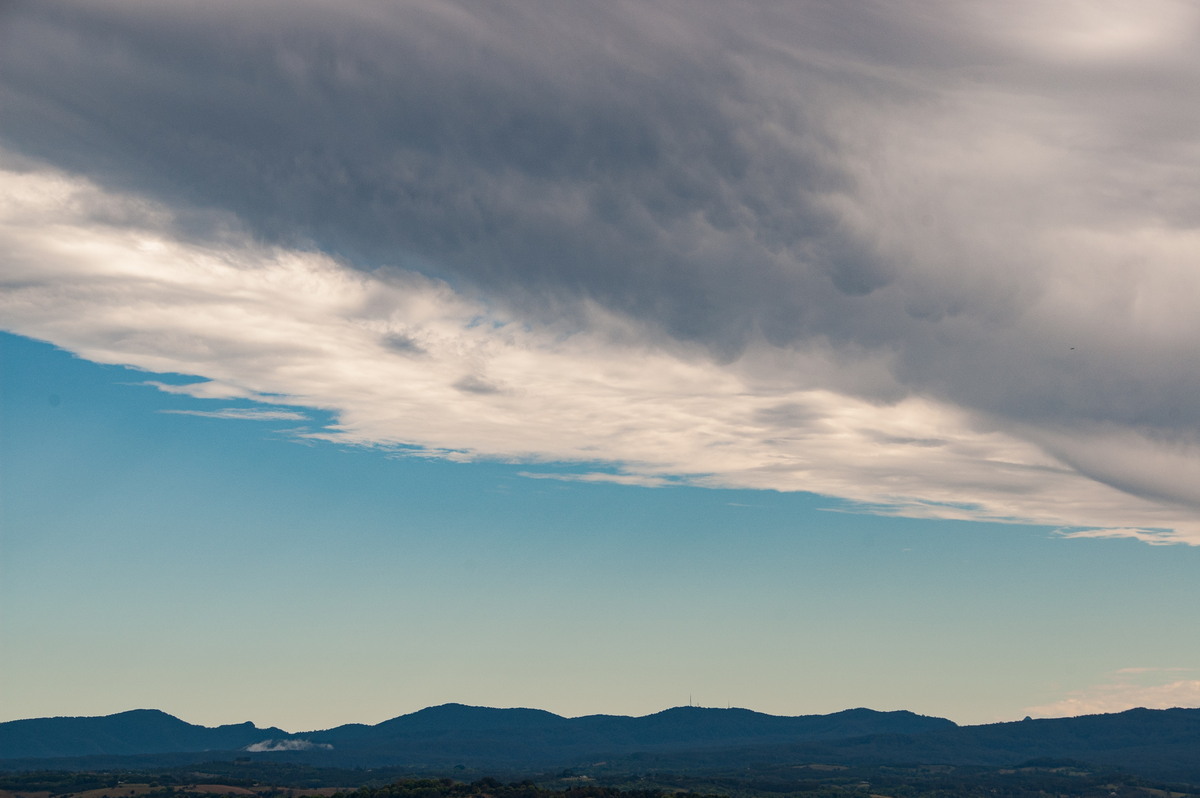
(266, 726)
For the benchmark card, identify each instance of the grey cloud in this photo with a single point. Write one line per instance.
(404, 344)
(789, 414)
(927, 443)
(1165, 471)
(472, 383)
(929, 186)
(617, 153)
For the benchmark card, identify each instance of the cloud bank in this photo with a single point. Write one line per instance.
(1152, 688)
(936, 261)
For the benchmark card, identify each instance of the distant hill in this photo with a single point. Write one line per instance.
(685, 740)
(454, 733)
(138, 731)
(438, 736)
(1162, 743)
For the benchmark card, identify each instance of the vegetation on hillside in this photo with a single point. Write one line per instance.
(1040, 779)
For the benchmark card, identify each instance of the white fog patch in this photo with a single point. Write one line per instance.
(287, 745)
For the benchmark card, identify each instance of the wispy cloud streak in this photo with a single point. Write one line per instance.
(245, 414)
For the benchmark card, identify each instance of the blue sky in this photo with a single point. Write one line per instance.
(596, 357)
(223, 571)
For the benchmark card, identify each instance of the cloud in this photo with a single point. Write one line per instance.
(207, 389)
(641, 480)
(939, 264)
(311, 332)
(473, 383)
(1130, 688)
(247, 414)
(287, 745)
(1159, 537)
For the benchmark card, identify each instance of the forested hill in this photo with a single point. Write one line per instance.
(449, 734)
(453, 737)
(139, 731)
(453, 731)
(1162, 743)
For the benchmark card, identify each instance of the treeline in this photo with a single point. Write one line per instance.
(1057, 779)
(175, 784)
(57, 782)
(492, 788)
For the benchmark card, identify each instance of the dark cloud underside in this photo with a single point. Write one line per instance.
(925, 187)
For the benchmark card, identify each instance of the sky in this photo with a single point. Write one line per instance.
(598, 357)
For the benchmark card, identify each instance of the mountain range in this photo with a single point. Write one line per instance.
(1158, 743)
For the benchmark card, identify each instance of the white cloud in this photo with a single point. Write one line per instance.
(641, 480)
(243, 413)
(1129, 688)
(1153, 537)
(208, 389)
(300, 329)
(1096, 30)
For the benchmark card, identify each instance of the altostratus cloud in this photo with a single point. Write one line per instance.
(942, 261)
(300, 329)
